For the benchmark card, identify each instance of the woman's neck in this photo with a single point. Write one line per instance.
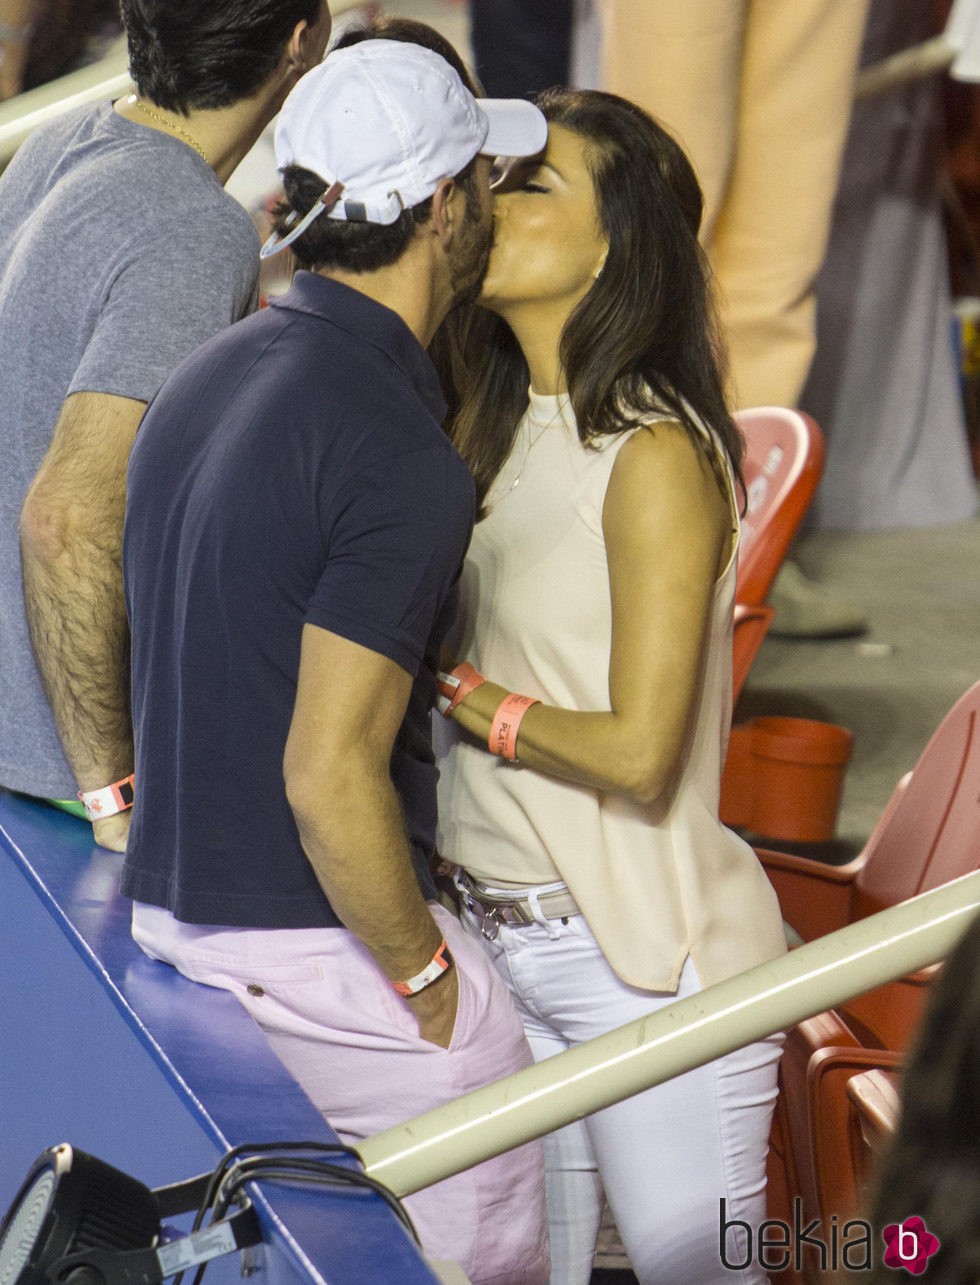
(538, 334)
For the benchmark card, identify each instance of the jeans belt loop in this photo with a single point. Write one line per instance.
(540, 917)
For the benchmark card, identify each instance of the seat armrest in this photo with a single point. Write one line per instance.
(814, 898)
(875, 1097)
(840, 1166)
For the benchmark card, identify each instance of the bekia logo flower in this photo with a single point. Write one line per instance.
(909, 1245)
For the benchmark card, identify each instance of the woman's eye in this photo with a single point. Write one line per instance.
(533, 187)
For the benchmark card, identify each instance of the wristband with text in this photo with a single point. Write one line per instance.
(434, 969)
(456, 686)
(506, 723)
(111, 799)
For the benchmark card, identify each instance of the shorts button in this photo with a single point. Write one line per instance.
(254, 989)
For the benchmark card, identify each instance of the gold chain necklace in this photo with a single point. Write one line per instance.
(170, 124)
(531, 443)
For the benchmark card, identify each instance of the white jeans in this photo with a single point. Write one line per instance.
(665, 1157)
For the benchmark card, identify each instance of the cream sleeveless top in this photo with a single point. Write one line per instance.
(536, 617)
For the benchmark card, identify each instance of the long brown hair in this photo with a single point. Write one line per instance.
(644, 338)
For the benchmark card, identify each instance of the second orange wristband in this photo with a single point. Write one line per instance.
(506, 723)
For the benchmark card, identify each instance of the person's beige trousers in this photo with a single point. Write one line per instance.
(759, 93)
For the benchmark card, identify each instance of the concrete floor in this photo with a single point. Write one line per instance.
(921, 590)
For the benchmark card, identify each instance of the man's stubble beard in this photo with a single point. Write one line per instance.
(468, 262)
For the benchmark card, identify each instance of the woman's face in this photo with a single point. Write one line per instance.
(548, 243)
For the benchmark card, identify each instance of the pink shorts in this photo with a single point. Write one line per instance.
(353, 1045)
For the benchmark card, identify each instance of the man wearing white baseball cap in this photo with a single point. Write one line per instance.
(297, 521)
(416, 124)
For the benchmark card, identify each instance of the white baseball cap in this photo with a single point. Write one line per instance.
(383, 122)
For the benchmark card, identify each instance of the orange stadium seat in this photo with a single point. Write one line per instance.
(784, 455)
(850, 1091)
(928, 835)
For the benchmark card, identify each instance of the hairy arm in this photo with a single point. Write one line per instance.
(71, 529)
(667, 529)
(350, 703)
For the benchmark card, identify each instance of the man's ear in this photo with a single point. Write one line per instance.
(448, 201)
(306, 44)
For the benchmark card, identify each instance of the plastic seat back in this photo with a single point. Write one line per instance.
(932, 834)
(784, 454)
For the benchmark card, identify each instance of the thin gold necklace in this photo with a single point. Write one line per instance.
(170, 124)
(531, 443)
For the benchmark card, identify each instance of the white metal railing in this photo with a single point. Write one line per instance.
(750, 1006)
(906, 66)
(957, 48)
(108, 78)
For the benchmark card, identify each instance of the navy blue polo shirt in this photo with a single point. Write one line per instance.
(291, 471)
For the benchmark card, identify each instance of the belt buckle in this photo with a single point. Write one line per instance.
(490, 924)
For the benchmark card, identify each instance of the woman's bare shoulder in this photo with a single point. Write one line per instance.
(663, 478)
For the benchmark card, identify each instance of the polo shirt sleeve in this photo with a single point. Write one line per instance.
(180, 283)
(394, 552)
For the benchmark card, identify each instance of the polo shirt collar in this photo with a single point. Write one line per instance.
(370, 322)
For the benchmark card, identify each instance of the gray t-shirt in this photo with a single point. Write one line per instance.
(119, 253)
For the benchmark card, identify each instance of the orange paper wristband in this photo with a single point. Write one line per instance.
(467, 679)
(111, 799)
(433, 970)
(506, 724)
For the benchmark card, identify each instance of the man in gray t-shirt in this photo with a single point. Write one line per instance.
(119, 253)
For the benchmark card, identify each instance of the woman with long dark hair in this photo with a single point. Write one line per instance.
(579, 793)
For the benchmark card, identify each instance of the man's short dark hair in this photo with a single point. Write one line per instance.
(353, 247)
(187, 54)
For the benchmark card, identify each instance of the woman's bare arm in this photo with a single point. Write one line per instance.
(668, 532)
